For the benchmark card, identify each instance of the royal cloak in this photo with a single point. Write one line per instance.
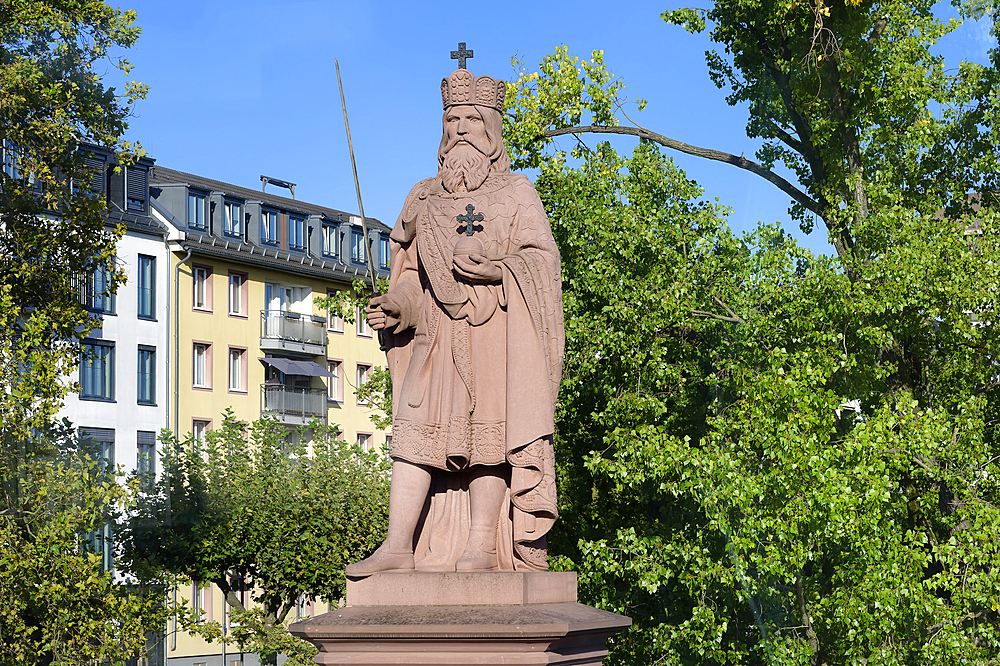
(476, 368)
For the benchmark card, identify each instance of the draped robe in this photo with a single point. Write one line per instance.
(475, 368)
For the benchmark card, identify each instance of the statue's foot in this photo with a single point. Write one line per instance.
(381, 560)
(477, 560)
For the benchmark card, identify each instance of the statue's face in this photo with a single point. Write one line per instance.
(464, 123)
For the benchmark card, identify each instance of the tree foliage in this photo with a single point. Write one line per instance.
(257, 506)
(58, 605)
(768, 456)
(52, 99)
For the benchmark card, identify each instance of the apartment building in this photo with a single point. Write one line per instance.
(122, 403)
(245, 267)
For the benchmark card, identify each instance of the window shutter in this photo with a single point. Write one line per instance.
(145, 437)
(136, 183)
(99, 434)
(95, 165)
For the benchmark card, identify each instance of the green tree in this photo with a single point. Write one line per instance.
(257, 505)
(769, 456)
(58, 605)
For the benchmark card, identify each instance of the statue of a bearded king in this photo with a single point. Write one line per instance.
(474, 332)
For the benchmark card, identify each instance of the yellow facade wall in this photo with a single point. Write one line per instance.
(216, 326)
(220, 329)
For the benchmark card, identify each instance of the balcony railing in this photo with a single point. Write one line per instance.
(291, 331)
(293, 406)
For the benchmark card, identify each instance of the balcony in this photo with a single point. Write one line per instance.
(292, 332)
(293, 406)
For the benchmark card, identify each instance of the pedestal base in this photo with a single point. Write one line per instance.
(559, 631)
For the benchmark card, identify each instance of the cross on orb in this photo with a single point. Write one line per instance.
(469, 219)
(461, 54)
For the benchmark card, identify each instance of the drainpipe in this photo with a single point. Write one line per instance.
(177, 341)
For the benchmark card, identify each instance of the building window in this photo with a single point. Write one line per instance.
(147, 287)
(97, 296)
(296, 233)
(202, 296)
(99, 541)
(145, 460)
(334, 384)
(196, 211)
(97, 371)
(357, 246)
(364, 372)
(202, 371)
(364, 330)
(329, 240)
(334, 323)
(237, 369)
(198, 429)
(383, 251)
(237, 294)
(233, 223)
(268, 227)
(10, 159)
(365, 440)
(146, 392)
(198, 600)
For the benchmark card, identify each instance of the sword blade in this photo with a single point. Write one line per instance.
(357, 185)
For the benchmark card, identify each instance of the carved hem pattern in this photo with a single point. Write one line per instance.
(458, 444)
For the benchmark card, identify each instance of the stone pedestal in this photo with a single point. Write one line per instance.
(462, 618)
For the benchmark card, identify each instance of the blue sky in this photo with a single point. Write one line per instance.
(240, 89)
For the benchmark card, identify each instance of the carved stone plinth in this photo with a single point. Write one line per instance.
(413, 618)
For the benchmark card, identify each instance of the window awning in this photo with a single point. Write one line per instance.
(290, 367)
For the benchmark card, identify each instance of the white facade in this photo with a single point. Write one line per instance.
(127, 332)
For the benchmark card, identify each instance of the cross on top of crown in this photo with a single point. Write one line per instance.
(461, 54)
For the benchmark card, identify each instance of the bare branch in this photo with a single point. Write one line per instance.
(728, 309)
(958, 620)
(736, 160)
(712, 315)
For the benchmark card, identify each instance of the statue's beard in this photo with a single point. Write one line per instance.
(464, 169)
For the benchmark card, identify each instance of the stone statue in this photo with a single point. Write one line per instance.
(474, 333)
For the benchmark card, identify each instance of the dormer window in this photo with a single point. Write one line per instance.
(383, 251)
(296, 233)
(233, 224)
(357, 246)
(196, 210)
(329, 240)
(268, 227)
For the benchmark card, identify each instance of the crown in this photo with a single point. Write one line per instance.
(464, 88)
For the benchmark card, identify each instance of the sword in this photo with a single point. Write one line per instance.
(357, 186)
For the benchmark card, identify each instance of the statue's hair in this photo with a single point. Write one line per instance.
(493, 122)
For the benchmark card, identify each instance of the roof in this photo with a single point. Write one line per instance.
(159, 175)
(248, 253)
(136, 222)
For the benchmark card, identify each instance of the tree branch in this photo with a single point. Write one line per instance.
(806, 622)
(877, 30)
(785, 137)
(708, 153)
(733, 318)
